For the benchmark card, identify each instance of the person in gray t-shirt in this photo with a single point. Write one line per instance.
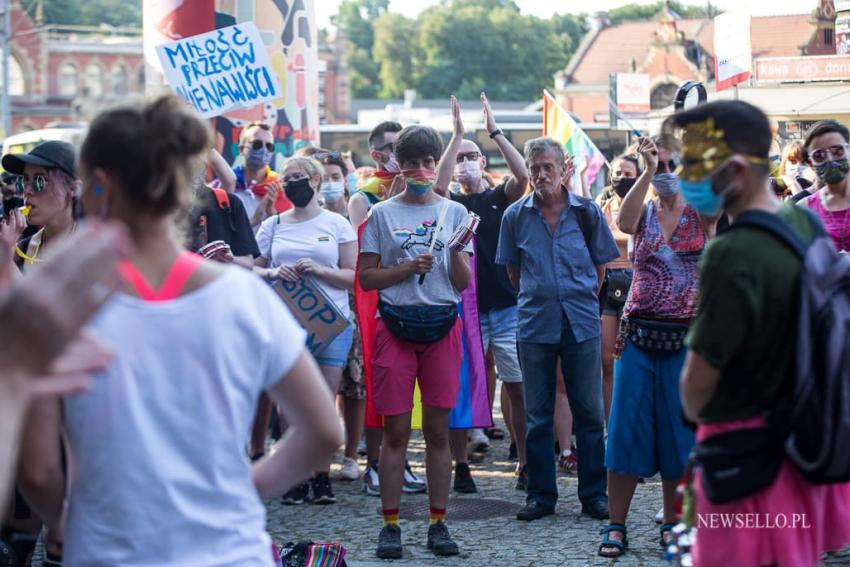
(396, 251)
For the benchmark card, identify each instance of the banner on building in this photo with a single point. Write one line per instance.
(803, 69)
(732, 50)
(288, 34)
(220, 71)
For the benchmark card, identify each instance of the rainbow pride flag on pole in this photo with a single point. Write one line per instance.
(558, 124)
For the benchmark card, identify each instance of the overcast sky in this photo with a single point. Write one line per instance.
(543, 8)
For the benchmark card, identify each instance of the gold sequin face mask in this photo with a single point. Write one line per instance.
(704, 150)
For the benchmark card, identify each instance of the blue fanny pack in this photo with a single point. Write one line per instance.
(418, 323)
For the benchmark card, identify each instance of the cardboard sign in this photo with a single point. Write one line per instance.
(313, 310)
(222, 70)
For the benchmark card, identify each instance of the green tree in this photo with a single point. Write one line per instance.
(89, 12)
(638, 12)
(355, 21)
(394, 50)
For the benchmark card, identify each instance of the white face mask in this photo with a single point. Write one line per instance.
(468, 173)
(792, 169)
(332, 191)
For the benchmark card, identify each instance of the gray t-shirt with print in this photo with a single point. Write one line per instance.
(399, 232)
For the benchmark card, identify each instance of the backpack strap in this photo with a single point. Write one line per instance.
(775, 226)
(221, 197)
(585, 219)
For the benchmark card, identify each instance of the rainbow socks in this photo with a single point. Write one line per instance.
(438, 515)
(390, 516)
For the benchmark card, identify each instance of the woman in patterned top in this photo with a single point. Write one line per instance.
(646, 433)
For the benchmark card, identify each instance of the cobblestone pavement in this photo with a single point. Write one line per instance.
(497, 539)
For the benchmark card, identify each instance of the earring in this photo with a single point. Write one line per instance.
(98, 189)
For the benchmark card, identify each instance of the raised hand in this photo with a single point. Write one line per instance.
(457, 122)
(489, 119)
(646, 148)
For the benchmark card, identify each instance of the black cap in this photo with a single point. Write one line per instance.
(53, 154)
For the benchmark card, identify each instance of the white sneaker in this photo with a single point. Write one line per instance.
(350, 469)
(413, 484)
(659, 517)
(478, 441)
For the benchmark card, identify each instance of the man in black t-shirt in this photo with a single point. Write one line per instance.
(497, 302)
(220, 229)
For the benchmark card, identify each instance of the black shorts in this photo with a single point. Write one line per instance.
(615, 290)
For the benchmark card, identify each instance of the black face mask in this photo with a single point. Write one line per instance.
(622, 185)
(299, 192)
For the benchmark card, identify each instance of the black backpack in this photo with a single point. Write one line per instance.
(815, 419)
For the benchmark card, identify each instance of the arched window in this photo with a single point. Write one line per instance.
(120, 77)
(17, 85)
(94, 80)
(68, 79)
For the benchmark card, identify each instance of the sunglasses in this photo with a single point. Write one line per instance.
(327, 155)
(668, 166)
(831, 153)
(471, 156)
(386, 147)
(258, 145)
(38, 183)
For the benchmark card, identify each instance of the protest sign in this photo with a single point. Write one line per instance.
(221, 70)
(313, 310)
(733, 58)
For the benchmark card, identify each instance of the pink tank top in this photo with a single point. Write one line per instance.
(836, 223)
(182, 269)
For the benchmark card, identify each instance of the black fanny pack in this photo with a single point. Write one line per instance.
(418, 323)
(615, 290)
(739, 463)
(657, 336)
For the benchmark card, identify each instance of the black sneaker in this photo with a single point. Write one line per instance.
(322, 493)
(522, 479)
(463, 479)
(296, 495)
(389, 542)
(439, 540)
(597, 510)
(534, 511)
(512, 454)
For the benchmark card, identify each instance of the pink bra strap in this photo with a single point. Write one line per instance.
(182, 269)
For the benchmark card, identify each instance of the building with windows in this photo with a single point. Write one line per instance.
(672, 50)
(67, 73)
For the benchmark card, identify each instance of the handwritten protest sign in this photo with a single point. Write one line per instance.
(221, 70)
(314, 310)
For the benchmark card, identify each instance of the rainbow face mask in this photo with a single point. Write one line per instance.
(419, 181)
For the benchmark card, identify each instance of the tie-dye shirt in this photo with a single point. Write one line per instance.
(666, 275)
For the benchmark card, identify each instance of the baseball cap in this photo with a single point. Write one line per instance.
(54, 153)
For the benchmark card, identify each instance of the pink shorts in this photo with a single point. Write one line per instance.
(397, 363)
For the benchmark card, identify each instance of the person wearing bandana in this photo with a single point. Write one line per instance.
(257, 184)
(828, 153)
(381, 149)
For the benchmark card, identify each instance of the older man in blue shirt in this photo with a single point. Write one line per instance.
(555, 246)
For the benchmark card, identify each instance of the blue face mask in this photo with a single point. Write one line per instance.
(701, 196)
(259, 158)
(666, 184)
(352, 182)
(332, 191)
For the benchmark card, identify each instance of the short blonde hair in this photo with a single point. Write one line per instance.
(306, 164)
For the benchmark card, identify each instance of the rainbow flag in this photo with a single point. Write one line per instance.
(558, 124)
(473, 401)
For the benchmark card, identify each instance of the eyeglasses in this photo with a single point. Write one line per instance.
(38, 183)
(469, 156)
(258, 145)
(824, 154)
(389, 147)
(327, 155)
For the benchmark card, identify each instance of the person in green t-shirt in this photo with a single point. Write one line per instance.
(743, 342)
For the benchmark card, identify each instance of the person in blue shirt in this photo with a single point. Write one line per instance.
(555, 245)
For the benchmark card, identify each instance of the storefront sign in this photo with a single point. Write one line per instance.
(803, 69)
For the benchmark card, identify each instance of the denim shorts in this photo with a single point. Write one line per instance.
(498, 331)
(336, 353)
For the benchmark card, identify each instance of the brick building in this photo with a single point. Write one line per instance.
(66, 73)
(672, 50)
